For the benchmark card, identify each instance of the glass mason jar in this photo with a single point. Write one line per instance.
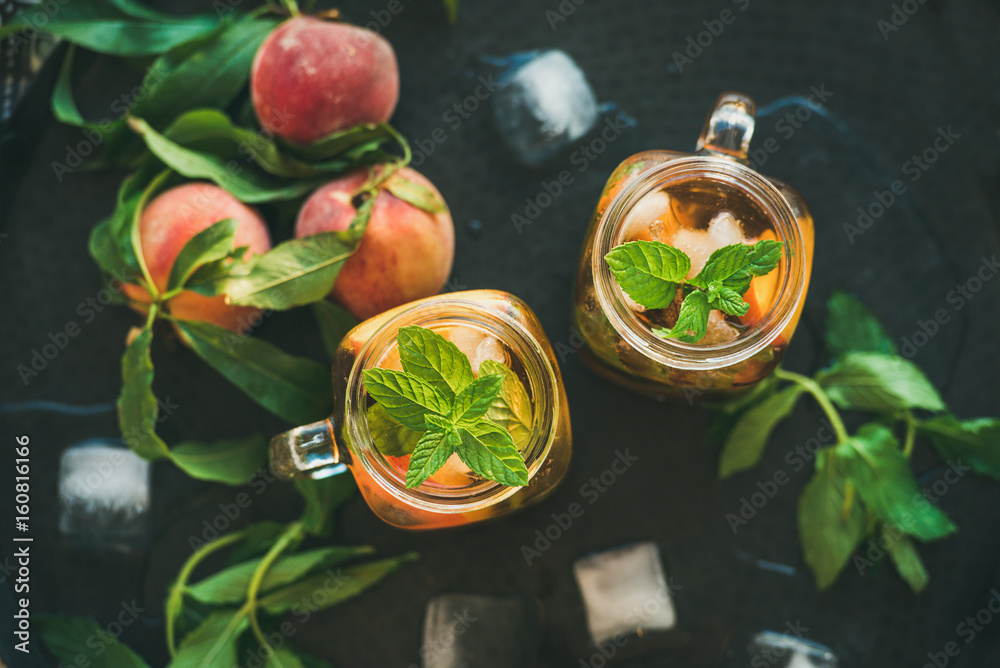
(706, 200)
(484, 324)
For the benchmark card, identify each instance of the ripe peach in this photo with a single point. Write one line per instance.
(169, 222)
(405, 254)
(311, 78)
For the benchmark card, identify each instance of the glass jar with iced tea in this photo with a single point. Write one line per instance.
(491, 328)
(698, 204)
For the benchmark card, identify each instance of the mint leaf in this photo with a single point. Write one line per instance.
(879, 382)
(692, 322)
(213, 643)
(341, 585)
(648, 271)
(851, 327)
(829, 530)
(512, 408)
(474, 401)
(434, 359)
(489, 450)
(974, 442)
(211, 244)
(733, 265)
(72, 641)
(728, 301)
(430, 454)
(232, 461)
(390, 437)
(881, 475)
(284, 657)
(745, 443)
(406, 398)
(907, 561)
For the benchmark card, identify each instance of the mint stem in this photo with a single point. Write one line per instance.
(293, 532)
(911, 433)
(813, 388)
(176, 598)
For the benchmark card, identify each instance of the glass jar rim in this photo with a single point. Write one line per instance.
(671, 352)
(543, 390)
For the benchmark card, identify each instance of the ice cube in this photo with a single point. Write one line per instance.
(542, 104)
(697, 245)
(725, 230)
(785, 651)
(470, 631)
(719, 330)
(104, 494)
(651, 219)
(625, 591)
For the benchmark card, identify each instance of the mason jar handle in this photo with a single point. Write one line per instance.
(729, 127)
(310, 451)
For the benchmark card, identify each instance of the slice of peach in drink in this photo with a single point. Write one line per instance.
(762, 291)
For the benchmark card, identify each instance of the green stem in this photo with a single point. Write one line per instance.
(293, 532)
(153, 186)
(911, 433)
(292, 6)
(176, 597)
(813, 388)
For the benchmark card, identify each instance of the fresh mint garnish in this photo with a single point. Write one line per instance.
(650, 272)
(436, 407)
(863, 488)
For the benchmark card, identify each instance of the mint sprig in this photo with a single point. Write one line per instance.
(437, 401)
(863, 487)
(651, 271)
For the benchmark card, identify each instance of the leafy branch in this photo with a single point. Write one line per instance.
(863, 486)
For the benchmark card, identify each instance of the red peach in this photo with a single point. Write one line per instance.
(311, 78)
(169, 222)
(405, 254)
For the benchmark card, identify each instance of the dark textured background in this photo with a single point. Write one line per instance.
(891, 96)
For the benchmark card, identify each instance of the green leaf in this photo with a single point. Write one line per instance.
(257, 540)
(336, 587)
(692, 322)
(284, 657)
(213, 643)
(64, 107)
(512, 408)
(733, 265)
(829, 529)
(206, 72)
(294, 388)
(299, 271)
(974, 442)
(415, 193)
(230, 585)
(430, 454)
(71, 641)
(881, 474)
(729, 301)
(233, 461)
(907, 561)
(137, 406)
(334, 323)
(211, 244)
(851, 327)
(322, 498)
(490, 451)
(247, 184)
(472, 403)
(434, 359)
(747, 439)
(406, 398)
(115, 27)
(390, 437)
(648, 271)
(365, 137)
(878, 382)
(110, 242)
